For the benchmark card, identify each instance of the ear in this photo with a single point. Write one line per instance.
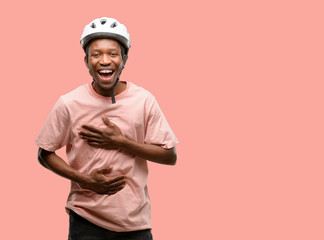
(86, 62)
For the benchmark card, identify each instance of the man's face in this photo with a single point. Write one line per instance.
(104, 64)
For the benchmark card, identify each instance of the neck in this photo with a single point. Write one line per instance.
(118, 88)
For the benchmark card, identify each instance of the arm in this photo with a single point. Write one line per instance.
(150, 152)
(96, 181)
(112, 138)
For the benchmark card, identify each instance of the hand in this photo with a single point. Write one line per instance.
(98, 182)
(108, 138)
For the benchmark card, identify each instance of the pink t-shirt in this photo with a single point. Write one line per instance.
(139, 118)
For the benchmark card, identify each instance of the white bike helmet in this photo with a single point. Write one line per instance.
(106, 28)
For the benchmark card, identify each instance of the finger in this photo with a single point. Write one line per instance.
(107, 121)
(116, 179)
(91, 140)
(111, 192)
(94, 141)
(91, 128)
(116, 189)
(99, 144)
(117, 184)
(105, 170)
(93, 144)
(87, 134)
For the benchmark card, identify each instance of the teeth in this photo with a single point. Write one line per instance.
(105, 71)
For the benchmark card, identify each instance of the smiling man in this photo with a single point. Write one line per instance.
(110, 129)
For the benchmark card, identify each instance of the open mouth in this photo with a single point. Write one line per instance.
(106, 74)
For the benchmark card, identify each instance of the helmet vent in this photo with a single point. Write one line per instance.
(103, 21)
(113, 25)
(93, 25)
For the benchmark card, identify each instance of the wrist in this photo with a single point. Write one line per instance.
(123, 143)
(82, 179)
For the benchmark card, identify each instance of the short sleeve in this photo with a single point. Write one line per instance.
(157, 130)
(55, 132)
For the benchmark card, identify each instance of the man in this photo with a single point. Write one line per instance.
(110, 129)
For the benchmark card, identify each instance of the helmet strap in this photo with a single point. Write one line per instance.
(113, 100)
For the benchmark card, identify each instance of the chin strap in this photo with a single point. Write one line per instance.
(113, 100)
(112, 96)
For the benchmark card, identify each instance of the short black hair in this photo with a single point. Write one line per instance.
(86, 48)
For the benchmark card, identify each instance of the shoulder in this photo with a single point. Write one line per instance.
(77, 93)
(140, 92)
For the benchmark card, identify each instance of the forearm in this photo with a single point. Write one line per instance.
(150, 152)
(55, 163)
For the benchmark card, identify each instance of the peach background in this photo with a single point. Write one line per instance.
(241, 84)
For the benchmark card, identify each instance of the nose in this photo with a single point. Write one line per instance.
(105, 60)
